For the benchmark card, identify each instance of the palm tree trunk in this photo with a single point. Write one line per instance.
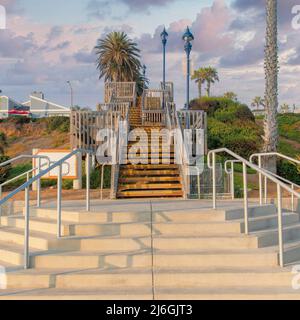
(208, 89)
(271, 73)
(200, 89)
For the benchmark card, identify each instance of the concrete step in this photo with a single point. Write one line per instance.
(270, 221)
(162, 259)
(38, 240)
(175, 279)
(185, 294)
(172, 242)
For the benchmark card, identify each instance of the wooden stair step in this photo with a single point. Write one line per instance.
(149, 172)
(150, 194)
(150, 186)
(150, 179)
(151, 166)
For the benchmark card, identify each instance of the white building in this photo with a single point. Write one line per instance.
(36, 107)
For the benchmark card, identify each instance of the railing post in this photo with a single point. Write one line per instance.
(280, 228)
(293, 199)
(26, 229)
(214, 178)
(260, 182)
(59, 196)
(88, 181)
(245, 182)
(38, 200)
(102, 181)
(199, 187)
(232, 181)
(266, 190)
(0, 199)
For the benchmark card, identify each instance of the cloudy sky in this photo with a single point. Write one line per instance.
(49, 42)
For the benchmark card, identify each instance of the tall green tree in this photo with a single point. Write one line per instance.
(211, 76)
(199, 76)
(271, 73)
(118, 58)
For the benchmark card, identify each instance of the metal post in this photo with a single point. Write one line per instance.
(232, 181)
(199, 189)
(266, 190)
(214, 177)
(0, 199)
(26, 230)
(38, 200)
(88, 181)
(293, 199)
(280, 228)
(260, 182)
(59, 197)
(102, 181)
(188, 81)
(245, 182)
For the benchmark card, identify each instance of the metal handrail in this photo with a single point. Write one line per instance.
(37, 177)
(24, 156)
(27, 174)
(211, 161)
(271, 154)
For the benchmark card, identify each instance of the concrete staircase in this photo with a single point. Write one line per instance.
(105, 254)
(159, 176)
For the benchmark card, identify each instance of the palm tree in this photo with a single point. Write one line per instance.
(231, 96)
(118, 58)
(271, 72)
(284, 108)
(258, 102)
(199, 77)
(211, 76)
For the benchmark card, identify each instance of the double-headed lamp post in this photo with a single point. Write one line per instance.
(164, 39)
(72, 94)
(188, 38)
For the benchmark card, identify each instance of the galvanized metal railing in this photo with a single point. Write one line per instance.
(10, 161)
(260, 157)
(26, 186)
(280, 186)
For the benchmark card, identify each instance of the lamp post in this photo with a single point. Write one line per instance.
(72, 94)
(164, 39)
(144, 75)
(188, 38)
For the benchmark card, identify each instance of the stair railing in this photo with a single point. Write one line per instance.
(181, 154)
(211, 160)
(230, 172)
(25, 156)
(24, 174)
(260, 156)
(26, 186)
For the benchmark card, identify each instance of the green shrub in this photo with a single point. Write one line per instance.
(288, 171)
(289, 126)
(4, 171)
(60, 124)
(234, 112)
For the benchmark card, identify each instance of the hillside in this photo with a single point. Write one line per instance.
(20, 136)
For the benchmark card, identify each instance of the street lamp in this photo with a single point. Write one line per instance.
(72, 97)
(164, 39)
(144, 75)
(188, 38)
